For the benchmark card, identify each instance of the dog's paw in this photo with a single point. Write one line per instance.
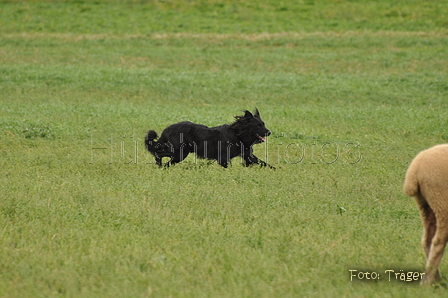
(264, 164)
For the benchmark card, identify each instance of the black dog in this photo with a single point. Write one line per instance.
(221, 143)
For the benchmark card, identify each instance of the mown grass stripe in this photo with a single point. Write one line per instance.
(238, 36)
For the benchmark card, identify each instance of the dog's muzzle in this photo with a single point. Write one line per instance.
(263, 139)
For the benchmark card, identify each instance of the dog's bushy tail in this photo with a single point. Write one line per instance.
(150, 142)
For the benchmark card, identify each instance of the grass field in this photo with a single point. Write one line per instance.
(351, 90)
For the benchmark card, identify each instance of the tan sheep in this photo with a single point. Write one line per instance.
(427, 181)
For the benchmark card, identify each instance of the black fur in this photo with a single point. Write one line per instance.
(221, 143)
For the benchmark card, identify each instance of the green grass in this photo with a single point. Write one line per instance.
(351, 91)
(221, 16)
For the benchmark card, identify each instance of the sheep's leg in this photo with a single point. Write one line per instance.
(436, 250)
(429, 223)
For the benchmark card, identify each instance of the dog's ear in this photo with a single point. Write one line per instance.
(257, 113)
(248, 114)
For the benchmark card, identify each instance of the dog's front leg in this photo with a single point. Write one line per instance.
(251, 159)
(264, 164)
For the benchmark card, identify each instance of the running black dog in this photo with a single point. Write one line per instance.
(221, 143)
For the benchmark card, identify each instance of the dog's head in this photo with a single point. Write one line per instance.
(250, 128)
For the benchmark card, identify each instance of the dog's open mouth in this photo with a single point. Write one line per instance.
(262, 139)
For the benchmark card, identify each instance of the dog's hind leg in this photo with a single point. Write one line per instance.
(160, 155)
(177, 156)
